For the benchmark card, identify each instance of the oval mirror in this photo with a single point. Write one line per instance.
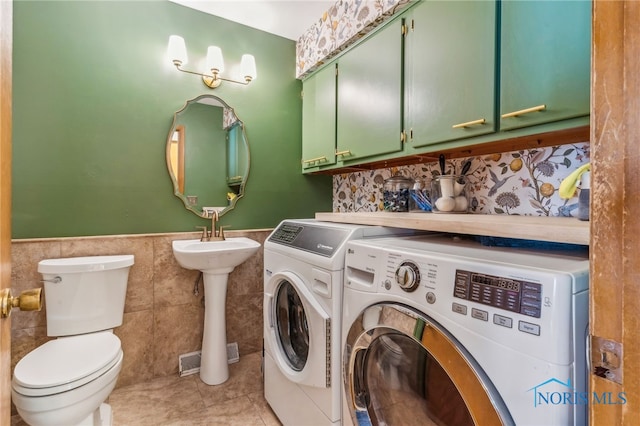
(207, 156)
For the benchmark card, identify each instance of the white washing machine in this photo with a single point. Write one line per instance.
(445, 331)
(303, 278)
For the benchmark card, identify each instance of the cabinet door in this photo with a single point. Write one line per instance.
(319, 119)
(370, 95)
(450, 68)
(545, 61)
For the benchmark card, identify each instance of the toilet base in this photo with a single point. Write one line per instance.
(101, 417)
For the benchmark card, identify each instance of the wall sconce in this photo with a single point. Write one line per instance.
(214, 63)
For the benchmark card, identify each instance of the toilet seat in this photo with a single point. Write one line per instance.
(66, 363)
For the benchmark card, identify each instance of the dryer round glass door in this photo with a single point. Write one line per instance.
(297, 330)
(292, 329)
(406, 369)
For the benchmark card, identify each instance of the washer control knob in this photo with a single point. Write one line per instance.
(408, 276)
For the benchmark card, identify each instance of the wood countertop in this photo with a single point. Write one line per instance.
(554, 229)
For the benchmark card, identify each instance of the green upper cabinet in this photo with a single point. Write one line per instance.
(545, 61)
(450, 71)
(461, 73)
(370, 96)
(319, 119)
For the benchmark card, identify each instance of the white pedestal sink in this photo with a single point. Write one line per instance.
(216, 259)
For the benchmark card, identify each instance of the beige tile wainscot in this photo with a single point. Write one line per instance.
(163, 318)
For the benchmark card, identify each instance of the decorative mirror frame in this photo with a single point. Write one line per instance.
(228, 110)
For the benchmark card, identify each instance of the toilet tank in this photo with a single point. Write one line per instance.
(84, 294)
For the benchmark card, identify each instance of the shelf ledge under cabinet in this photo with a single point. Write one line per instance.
(554, 229)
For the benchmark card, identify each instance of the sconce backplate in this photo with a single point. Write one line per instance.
(211, 82)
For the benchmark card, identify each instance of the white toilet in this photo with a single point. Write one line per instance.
(66, 381)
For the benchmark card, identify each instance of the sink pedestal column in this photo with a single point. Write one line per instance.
(214, 368)
(216, 259)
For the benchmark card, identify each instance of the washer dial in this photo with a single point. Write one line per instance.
(408, 276)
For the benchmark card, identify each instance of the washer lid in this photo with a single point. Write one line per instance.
(84, 264)
(66, 359)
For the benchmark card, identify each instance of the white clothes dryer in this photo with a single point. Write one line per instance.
(445, 331)
(303, 278)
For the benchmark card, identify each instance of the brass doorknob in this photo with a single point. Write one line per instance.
(29, 300)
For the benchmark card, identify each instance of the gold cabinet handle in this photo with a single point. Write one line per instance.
(315, 160)
(345, 152)
(469, 123)
(524, 111)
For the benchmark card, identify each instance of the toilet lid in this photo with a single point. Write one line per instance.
(66, 360)
(71, 265)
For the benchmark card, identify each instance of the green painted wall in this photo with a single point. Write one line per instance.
(93, 101)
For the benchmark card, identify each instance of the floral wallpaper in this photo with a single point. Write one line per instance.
(522, 182)
(339, 27)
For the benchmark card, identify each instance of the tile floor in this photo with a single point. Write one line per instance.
(187, 401)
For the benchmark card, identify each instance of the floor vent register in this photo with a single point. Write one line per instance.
(189, 363)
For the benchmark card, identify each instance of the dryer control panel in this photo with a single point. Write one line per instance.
(500, 292)
(324, 241)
